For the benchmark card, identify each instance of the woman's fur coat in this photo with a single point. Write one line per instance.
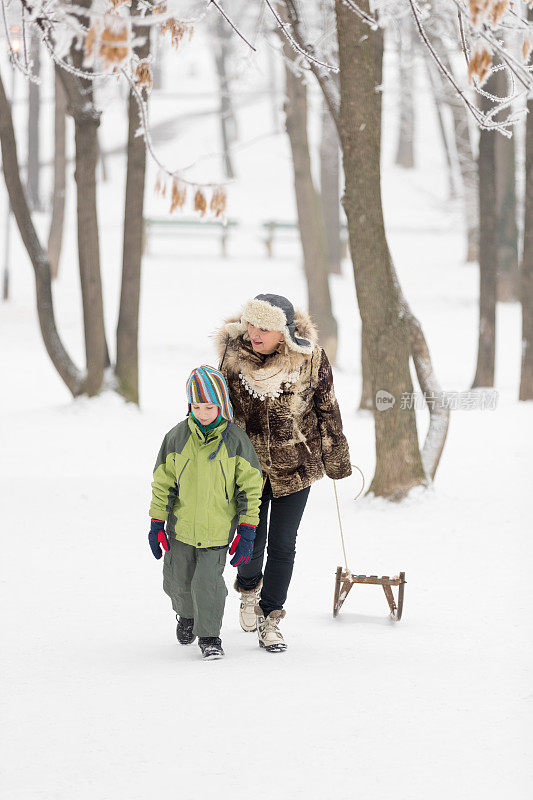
(286, 404)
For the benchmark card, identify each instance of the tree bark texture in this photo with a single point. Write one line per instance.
(67, 370)
(55, 236)
(526, 276)
(127, 366)
(398, 460)
(366, 401)
(34, 110)
(488, 252)
(329, 190)
(507, 228)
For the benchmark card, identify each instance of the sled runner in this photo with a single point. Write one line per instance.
(345, 579)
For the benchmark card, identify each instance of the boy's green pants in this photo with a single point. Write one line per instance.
(192, 578)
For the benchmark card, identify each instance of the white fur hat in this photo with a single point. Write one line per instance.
(273, 312)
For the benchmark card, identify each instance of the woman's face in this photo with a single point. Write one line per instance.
(264, 342)
(206, 413)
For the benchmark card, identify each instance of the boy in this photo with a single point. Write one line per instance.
(207, 486)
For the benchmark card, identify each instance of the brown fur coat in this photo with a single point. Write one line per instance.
(286, 404)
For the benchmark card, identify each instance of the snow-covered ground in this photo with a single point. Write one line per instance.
(100, 703)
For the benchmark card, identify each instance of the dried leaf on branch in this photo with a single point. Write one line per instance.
(480, 64)
(179, 195)
(218, 202)
(200, 203)
(108, 42)
(143, 75)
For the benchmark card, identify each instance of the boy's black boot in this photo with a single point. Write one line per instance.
(184, 630)
(211, 647)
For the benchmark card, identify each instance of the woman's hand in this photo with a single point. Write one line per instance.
(243, 545)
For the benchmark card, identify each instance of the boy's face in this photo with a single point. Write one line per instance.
(206, 413)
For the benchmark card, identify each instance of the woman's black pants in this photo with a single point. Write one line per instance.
(285, 516)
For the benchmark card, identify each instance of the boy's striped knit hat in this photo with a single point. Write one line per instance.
(208, 385)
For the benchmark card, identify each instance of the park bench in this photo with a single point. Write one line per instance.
(170, 226)
(273, 226)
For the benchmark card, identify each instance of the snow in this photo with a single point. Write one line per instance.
(99, 701)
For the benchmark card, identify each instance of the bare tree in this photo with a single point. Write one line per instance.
(127, 366)
(506, 220)
(329, 190)
(86, 120)
(55, 235)
(34, 114)
(221, 51)
(439, 25)
(310, 219)
(488, 254)
(526, 276)
(398, 462)
(66, 368)
(390, 330)
(435, 84)
(406, 131)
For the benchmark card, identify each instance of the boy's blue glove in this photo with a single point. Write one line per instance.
(157, 536)
(243, 545)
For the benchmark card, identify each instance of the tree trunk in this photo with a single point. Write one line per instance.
(226, 113)
(273, 90)
(439, 414)
(329, 190)
(34, 107)
(309, 214)
(526, 277)
(488, 254)
(507, 229)
(89, 249)
(55, 236)
(404, 152)
(127, 367)
(366, 403)
(461, 131)
(436, 90)
(469, 173)
(86, 117)
(398, 462)
(67, 370)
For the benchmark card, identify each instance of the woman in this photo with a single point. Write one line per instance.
(281, 388)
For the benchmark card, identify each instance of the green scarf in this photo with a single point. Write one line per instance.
(206, 428)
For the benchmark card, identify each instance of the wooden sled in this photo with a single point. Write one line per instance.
(344, 580)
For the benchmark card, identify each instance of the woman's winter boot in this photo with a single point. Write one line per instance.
(249, 600)
(268, 632)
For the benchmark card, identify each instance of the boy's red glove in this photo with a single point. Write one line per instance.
(243, 545)
(157, 536)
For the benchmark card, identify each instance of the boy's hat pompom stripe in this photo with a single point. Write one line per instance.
(208, 385)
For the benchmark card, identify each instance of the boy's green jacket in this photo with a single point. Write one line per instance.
(203, 499)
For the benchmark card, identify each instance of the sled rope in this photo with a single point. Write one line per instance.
(339, 514)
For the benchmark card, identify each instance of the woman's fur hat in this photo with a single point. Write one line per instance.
(272, 312)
